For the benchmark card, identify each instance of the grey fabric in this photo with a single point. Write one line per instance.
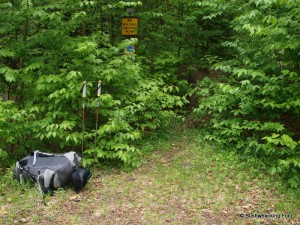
(73, 157)
(53, 170)
(56, 181)
(21, 179)
(34, 157)
(48, 174)
(17, 171)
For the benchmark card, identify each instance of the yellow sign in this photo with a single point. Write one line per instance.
(129, 26)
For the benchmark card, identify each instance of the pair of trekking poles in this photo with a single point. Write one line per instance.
(83, 112)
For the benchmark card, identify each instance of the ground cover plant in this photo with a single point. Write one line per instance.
(185, 180)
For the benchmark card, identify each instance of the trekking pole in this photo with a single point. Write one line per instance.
(97, 111)
(83, 113)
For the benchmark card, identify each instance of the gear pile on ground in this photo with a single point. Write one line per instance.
(51, 171)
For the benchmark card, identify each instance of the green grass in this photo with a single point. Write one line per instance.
(182, 180)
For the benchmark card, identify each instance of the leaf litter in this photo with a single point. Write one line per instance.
(179, 187)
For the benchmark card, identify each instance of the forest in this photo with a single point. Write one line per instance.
(230, 66)
(228, 69)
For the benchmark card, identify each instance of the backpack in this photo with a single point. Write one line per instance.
(49, 171)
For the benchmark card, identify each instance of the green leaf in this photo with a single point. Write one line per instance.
(273, 170)
(7, 53)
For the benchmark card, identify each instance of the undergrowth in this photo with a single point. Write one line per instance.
(182, 178)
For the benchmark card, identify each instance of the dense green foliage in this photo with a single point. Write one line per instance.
(256, 107)
(47, 48)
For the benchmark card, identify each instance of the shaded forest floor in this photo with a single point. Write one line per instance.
(182, 180)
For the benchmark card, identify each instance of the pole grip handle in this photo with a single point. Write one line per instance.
(99, 89)
(84, 89)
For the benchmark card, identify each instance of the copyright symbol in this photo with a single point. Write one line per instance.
(242, 215)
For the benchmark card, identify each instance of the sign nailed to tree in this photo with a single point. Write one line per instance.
(129, 26)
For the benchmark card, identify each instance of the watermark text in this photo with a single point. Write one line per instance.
(265, 216)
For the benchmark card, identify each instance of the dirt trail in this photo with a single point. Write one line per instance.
(187, 184)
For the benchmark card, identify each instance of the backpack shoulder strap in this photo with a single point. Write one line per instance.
(74, 158)
(48, 174)
(34, 157)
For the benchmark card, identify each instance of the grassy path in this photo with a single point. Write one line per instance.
(183, 181)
